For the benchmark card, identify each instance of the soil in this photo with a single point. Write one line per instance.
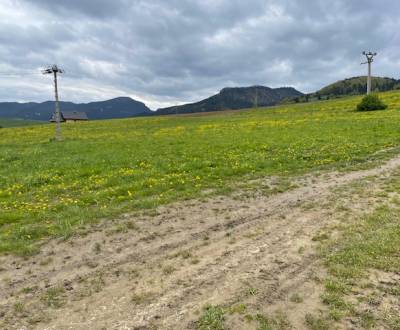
(159, 271)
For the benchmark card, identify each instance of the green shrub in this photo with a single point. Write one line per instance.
(371, 102)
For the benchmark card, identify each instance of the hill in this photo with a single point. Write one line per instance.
(17, 122)
(235, 98)
(346, 87)
(121, 107)
(358, 85)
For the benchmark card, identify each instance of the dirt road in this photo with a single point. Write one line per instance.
(254, 255)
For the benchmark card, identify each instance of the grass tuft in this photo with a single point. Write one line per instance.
(212, 318)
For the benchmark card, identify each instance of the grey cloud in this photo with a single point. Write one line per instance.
(92, 8)
(175, 51)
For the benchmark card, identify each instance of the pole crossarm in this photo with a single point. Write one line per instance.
(52, 69)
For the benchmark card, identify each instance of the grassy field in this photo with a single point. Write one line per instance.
(104, 168)
(5, 122)
(363, 261)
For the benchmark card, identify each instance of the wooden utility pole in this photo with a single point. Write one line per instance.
(370, 59)
(55, 70)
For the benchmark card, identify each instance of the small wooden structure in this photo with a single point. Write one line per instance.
(70, 116)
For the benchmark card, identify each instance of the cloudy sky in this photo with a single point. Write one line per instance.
(170, 52)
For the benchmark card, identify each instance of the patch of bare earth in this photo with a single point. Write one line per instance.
(158, 272)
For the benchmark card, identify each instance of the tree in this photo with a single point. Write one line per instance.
(371, 102)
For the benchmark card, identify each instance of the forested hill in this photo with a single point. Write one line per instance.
(120, 107)
(358, 85)
(236, 98)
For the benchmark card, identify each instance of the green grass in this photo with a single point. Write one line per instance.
(104, 168)
(370, 243)
(5, 122)
(212, 318)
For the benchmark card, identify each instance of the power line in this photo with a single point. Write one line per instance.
(55, 70)
(18, 74)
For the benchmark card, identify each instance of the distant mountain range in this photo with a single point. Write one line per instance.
(227, 99)
(121, 107)
(236, 98)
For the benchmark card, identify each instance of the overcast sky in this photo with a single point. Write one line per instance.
(166, 52)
